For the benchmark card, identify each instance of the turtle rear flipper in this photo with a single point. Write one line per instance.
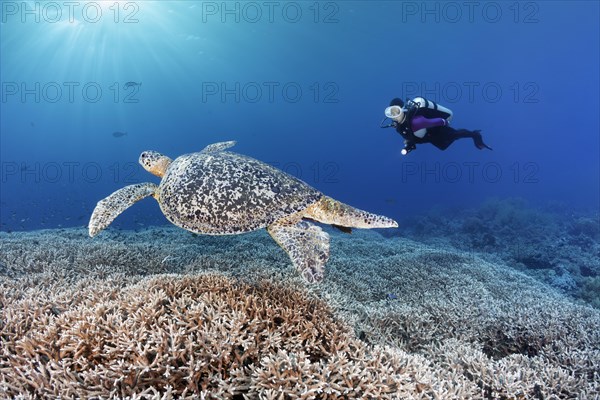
(216, 147)
(110, 207)
(333, 212)
(306, 245)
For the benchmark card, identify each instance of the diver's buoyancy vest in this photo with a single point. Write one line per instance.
(429, 109)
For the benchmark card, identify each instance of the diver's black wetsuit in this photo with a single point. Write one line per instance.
(440, 136)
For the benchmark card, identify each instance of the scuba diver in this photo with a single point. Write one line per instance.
(423, 121)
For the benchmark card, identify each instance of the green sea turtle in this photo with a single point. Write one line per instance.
(217, 192)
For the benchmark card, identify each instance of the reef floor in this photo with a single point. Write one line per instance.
(162, 313)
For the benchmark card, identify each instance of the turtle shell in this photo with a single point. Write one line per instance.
(222, 193)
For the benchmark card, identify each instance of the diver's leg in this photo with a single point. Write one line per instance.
(463, 133)
(475, 135)
(441, 137)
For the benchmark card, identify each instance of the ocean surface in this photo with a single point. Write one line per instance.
(302, 86)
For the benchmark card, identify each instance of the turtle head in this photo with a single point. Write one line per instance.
(154, 162)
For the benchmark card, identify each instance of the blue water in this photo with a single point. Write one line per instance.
(301, 85)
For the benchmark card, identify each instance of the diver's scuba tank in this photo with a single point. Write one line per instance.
(441, 111)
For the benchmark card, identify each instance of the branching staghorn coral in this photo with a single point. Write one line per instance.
(394, 319)
(186, 336)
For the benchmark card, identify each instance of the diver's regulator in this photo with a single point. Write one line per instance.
(398, 115)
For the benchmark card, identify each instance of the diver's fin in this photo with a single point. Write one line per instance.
(306, 245)
(216, 147)
(109, 208)
(333, 212)
(478, 140)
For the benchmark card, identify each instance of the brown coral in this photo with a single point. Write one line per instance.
(186, 336)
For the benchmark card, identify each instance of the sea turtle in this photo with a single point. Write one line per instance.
(217, 192)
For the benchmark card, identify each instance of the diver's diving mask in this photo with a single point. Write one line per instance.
(395, 113)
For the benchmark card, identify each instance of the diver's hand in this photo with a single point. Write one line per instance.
(408, 147)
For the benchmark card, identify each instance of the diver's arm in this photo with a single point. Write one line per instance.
(420, 122)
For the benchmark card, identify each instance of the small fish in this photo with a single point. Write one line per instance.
(119, 134)
(131, 84)
(391, 296)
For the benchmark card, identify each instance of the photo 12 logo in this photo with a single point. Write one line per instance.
(527, 92)
(252, 12)
(470, 172)
(269, 92)
(68, 172)
(454, 12)
(53, 12)
(315, 173)
(71, 172)
(70, 92)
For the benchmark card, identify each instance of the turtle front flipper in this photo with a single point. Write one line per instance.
(109, 208)
(333, 212)
(306, 245)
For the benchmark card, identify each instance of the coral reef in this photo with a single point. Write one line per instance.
(163, 313)
(186, 336)
(553, 244)
(591, 291)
